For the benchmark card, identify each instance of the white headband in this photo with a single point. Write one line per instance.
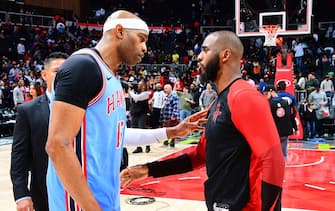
(128, 23)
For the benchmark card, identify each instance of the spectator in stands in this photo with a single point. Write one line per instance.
(172, 77)
(324, 66)
(132, 77)
(7, 89)
(332, 78)
(13, 72)
(179, 85)
(308, 115)
(185, 103)
(319, 100)
(170, 111)
(250, 80)
(21, 49)
(262, 84)
(301, 84)
(299, 55)
(11, 54)
(164, 79)
(327, 86)
(256, 70)
(35, 90)
(207, 97)
(18, 93)
(195, 91)
(157, 105)
(175, 57)
(139, 109)
(311, 83)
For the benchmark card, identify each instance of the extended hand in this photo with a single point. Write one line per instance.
(132, 174)
(191, 123)
(25, 205)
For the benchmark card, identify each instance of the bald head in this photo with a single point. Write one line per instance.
(127, 19)
(229, 40)
(123, 40)
(121, 14)
(168, 89)
(219, 59)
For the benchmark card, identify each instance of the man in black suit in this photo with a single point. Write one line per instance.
(28, 149)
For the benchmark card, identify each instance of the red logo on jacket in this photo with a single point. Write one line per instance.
(217, 112)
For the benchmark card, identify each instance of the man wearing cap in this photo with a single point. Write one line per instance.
(88, 120)
(282, 116)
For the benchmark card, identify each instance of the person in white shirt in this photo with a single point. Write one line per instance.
(327, 86)
(319, 99)
(157, 105)
(20, 50)
(302, 81)
(299, 54)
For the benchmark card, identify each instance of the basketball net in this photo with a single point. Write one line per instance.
(270, 32)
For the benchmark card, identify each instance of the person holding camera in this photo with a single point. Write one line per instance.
(139, 108)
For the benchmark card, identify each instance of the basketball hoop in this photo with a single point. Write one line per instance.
(270, 32)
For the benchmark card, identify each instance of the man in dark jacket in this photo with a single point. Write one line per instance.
(29, 138)
(282, 116)
(139, 109)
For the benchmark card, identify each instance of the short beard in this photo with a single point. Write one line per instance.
(210, 71)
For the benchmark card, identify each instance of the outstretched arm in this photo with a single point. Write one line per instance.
(135, 136)
(139, 97)
(178, 165)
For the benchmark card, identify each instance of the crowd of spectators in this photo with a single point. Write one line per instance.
(23, 49)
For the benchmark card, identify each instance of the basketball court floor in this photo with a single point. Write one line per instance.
(309, 181)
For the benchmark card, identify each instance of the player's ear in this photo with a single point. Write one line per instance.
(119, 31)
(44, 74)
(225, 55)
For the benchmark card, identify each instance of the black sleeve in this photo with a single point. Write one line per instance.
(271, 196)
(178, 165)
(20, 156)
(78, 81)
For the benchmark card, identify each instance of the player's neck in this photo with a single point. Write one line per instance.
(224, 80)
(108, 56)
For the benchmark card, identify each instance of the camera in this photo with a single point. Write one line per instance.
(133, 85)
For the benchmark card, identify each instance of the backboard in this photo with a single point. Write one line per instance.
(293, 16)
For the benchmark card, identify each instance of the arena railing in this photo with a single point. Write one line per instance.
(208, 29)
(300, 95)
(323, 25)
(178, 68)
(28, 19)
(3, 16)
